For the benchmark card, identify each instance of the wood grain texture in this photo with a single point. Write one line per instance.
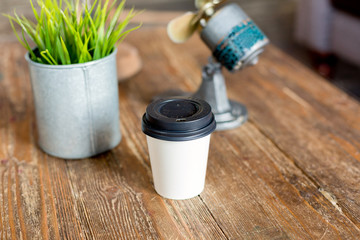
(291, 172)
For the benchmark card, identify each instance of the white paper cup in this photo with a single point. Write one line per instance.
(178, 135)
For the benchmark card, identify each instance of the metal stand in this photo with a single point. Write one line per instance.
(228, 114)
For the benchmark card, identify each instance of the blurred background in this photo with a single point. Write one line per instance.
(322, 34)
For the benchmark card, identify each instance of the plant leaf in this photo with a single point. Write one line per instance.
(71, 31)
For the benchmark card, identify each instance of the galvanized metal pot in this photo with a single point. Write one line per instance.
(77, 107)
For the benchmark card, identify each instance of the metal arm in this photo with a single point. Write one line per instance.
(228, 114)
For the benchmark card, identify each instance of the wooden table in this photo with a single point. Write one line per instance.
(291, 172)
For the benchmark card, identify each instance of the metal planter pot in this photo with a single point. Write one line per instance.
(77, 107)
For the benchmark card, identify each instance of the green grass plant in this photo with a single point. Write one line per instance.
(69, 32)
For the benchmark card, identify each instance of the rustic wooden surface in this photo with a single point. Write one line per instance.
(291, 172)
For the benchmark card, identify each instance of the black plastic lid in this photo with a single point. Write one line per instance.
(178, 119)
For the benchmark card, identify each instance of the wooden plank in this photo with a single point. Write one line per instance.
(323, 124)
(62, 203)
(290, 204)
(311, 121)
(36, 196)
(188, 219)
(281, 175)
(314, 205)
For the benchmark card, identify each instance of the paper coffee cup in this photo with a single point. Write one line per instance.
(178, 135)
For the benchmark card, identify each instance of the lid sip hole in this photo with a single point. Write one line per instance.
(181, 120)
